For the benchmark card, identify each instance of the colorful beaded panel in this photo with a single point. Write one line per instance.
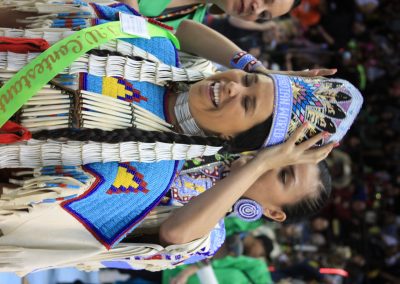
(114, 87)
(329, 105)
(187, 186)
(109, 217)
(147, 95)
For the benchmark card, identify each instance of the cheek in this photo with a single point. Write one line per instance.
(227, 6)
(251, 17)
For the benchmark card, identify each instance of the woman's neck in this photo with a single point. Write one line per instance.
(170, 112)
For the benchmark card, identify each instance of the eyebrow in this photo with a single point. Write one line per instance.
(254, 99)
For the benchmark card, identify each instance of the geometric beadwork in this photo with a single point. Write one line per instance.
(128, 180)
(187, 186)
(320, 102)
(329, 105)
(122, 89)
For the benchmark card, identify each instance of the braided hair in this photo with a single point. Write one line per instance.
(125, 135)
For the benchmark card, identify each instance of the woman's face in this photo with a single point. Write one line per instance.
(252, 10)
(231, 102)
(282, 186)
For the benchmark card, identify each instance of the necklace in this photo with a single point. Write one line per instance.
(185, 118)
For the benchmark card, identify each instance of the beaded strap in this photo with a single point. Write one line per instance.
(245, 61)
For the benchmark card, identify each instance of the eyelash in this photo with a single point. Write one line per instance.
(246, 103)
(282, 175)
(246, 81)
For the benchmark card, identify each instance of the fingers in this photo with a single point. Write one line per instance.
(315, 72)
(317, 155)
(305, 73)
(312, 141)
(324, 72)
(298, 133)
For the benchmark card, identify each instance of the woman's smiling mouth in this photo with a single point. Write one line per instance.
(240, 8)
(214, 92)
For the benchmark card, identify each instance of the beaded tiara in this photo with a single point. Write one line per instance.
(326, 104)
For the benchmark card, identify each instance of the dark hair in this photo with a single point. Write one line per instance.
(310, 205)
(296, 3)
(251, 139)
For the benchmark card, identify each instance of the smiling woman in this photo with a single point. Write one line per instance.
(243, 99)
(252, 10)
(173, 12)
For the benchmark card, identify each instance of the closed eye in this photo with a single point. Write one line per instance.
(246, 103)
(246, 80)
(264, 16)
(283, 176)
(287, 175)
(249, 79)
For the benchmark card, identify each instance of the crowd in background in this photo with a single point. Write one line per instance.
(359, 230)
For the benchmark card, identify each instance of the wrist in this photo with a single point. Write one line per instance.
(245, 61)
(258, 166)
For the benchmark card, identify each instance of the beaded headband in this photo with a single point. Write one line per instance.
(326, 104)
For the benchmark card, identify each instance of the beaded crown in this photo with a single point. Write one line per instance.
(326, 104)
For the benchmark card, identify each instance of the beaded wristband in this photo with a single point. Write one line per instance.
(245, 61)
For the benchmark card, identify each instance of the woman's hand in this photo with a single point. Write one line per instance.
(289, 153)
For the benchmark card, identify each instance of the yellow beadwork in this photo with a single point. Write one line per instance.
(112, 88)
(128, 180)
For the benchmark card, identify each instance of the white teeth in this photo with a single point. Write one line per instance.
(216, 93)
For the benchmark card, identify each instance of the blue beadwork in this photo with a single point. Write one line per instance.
(111, 216)
(282, 110)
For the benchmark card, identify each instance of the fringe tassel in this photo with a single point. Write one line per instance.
(35, 153)
(50, 108)
(48, 185)
(134, 69)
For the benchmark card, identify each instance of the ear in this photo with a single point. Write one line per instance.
(276, 215)
(225, 137)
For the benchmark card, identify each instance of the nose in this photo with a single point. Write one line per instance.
(257, 7)
(232, 89)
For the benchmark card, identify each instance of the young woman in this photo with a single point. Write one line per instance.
(173, 12)
(168, 235)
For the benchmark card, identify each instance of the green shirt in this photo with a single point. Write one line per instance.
(228, 270)
(154, 8)
(234, 225)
